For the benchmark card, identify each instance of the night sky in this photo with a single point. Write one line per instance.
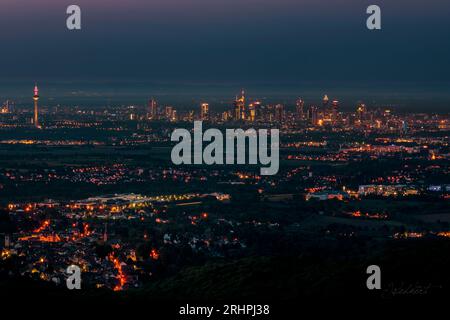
(227, 41)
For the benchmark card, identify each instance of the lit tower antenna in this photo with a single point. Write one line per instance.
(36, 110)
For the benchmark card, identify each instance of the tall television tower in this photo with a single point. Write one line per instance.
(36, 99)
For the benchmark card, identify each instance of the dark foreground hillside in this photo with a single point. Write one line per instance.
(411, 271)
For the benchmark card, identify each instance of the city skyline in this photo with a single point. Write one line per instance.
(325, 113)
(110, 93)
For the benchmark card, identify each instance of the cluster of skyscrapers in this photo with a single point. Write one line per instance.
(244, 110)
(323, 114)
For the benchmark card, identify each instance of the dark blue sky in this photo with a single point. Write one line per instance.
(227, 41)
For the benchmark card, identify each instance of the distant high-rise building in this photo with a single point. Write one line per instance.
(36, 111)
(153, 109)
(313, 115)
(268, 113)
(334, 110)
(387, 114)
(226, 116)
(239, 107)
(254, 110)
(6, 107)
(325, 101)
(361, 111)
(279, 113)
(204, 111)
(300, 112)
(169, 112)
(174, 115)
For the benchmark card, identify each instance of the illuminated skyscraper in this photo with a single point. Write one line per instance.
(36, 110)
(334, 110)
(300, 112)
(226, 116)
(174, 115)
(5, 108)
(325, 101)
(361, 111)
(169, 112)
(204, 111)
(153, 109)
(254, 110)
(279, 113)
(239, 107)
